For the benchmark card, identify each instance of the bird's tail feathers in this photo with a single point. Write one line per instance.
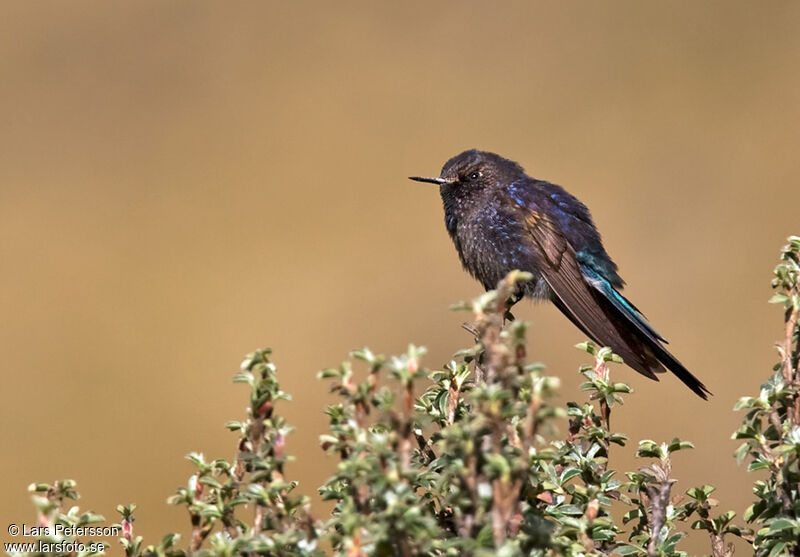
(649, 339)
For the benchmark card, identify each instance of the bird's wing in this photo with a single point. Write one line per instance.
(576, 297)
(591, 302)
(572, 219)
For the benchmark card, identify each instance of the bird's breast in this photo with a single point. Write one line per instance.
(490, 244)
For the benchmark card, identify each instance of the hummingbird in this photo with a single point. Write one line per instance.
(501, 219)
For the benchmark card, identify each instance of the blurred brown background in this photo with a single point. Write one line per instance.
(183, 182)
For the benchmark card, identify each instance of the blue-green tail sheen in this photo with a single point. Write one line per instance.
(648, 338)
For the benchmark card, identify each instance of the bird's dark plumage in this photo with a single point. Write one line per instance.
(501, 219)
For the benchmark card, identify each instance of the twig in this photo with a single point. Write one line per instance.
(659, 500)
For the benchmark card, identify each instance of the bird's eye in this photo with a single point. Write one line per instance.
(474, 175)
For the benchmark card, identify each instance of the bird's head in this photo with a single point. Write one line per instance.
(475, 170)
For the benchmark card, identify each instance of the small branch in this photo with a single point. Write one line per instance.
(425, 449)
(258, 521)
(659, 501)
(718, 547)
(786, 350)
(505, 506)
(601, 371)
(199, 532)
(605, 415)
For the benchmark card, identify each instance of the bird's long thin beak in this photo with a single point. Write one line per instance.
(438, 181)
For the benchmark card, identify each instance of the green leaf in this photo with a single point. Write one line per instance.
(779, 298)
(630, 550)
(678, 445)
(778, 549)
(571, 510)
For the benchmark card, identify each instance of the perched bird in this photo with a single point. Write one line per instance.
(501, 219)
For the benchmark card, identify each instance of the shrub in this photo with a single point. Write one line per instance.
(475, 464)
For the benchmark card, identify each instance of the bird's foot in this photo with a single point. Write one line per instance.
(510, 303)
